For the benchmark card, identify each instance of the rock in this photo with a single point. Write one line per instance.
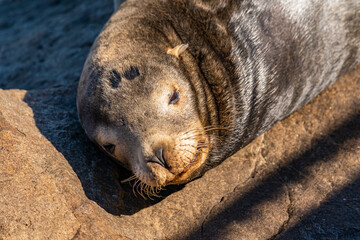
(45, 42)
(290, 181)
(41, 196)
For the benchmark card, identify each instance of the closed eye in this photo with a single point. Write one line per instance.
(174, 97)
(110, 148)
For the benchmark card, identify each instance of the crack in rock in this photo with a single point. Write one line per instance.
(289, 212)
(77, 233)
(208, 215)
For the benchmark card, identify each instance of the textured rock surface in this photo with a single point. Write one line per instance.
(299, 180)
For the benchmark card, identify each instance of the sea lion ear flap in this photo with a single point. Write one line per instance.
(179, 49)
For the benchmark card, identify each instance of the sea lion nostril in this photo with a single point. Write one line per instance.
(159, 153)
(159, 158)
(110, 148)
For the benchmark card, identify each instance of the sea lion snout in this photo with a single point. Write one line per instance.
(157, 159)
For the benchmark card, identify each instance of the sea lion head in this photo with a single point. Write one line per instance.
(136, 103)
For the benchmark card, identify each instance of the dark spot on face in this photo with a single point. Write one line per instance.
(131, 73)
(122, 122)
(115, 79)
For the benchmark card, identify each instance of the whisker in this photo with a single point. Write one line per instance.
(193, 153)
(215, 128)
(186, 145)
(158, 189)
(199, 135)
(145, 190)
(152, 192)
(198, 147)
(133, 187)
(128, 179)
(139, 190)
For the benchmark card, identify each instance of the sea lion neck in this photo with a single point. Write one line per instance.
(207, 64)
(213, 100)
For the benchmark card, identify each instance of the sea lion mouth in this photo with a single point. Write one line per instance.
(196, 162)
(178, 170)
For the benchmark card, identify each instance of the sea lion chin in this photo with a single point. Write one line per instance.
(172, 88)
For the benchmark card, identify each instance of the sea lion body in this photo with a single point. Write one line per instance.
(248, 64)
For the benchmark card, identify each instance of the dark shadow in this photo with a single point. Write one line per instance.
(337, 218)
(56, 117)
(271, 186)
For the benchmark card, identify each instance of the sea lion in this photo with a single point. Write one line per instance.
(172, 88)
